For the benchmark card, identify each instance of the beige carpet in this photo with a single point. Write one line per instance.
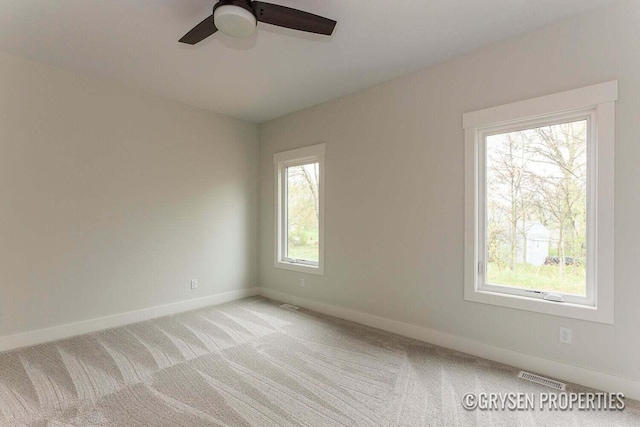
(252, 363)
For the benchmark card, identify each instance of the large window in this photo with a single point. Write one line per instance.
(539, 211)
(299, 209)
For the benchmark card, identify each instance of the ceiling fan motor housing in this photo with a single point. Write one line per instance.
(235, 18)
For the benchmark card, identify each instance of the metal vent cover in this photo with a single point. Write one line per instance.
(289, 307)
(542, 380)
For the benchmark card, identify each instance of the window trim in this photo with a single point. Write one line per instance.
(598, 100)
(282, 161)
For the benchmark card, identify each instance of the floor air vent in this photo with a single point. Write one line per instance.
(288, 307)
(542, 380)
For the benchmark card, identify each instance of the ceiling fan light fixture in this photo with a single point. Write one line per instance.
(234, 21)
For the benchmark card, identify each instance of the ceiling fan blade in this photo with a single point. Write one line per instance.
(292, 18)
(200, 31)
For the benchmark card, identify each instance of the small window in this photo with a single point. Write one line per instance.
(299, 205)
(539, 207)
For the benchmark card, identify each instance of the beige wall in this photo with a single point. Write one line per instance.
(111, 200)
(395, 191)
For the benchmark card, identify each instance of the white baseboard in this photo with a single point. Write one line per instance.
(40, 336)
(562, 371)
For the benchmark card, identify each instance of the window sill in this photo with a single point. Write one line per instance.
(562, 309)
(301, 268)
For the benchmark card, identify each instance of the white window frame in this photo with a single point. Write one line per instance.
(282, 161)
(596, 104)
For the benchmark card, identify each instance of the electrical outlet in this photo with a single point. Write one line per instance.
(565, 335)
(194, 283)
(303, 283)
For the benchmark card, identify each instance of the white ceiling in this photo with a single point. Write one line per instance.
(276, 71)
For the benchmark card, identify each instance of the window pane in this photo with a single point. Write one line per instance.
(303, 212)
(536, 214)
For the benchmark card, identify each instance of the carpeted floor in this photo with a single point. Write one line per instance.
(252, 363)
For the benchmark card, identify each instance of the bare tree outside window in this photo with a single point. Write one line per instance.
(303, 183)
(536, 214)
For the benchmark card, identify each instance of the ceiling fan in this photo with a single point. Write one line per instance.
(238, 18)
